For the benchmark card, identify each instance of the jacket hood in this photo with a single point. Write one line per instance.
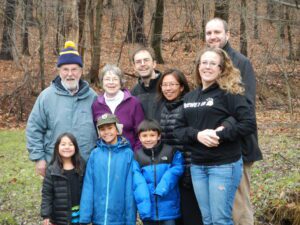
(82, 92)
(122, 143)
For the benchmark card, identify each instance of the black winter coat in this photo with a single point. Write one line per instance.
(171, 113)
(56, 196)
(250, 149)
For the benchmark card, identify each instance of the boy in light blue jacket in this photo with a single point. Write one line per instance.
(107, 196)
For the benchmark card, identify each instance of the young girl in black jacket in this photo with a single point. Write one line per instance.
(62, 184)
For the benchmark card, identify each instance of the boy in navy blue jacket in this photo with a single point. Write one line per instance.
(157, 170)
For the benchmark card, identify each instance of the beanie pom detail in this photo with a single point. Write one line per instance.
(70, 44)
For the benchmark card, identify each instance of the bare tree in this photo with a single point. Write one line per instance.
(255, 26)
(156, 38)
(60, 36)
(81, 18)
(135, 31)
(243, 32)
(222, 9)
(41, 20)
(26, 18)
(95, 38)
(6, 52)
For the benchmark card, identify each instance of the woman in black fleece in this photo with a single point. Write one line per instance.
(216, 151)
(172, 86)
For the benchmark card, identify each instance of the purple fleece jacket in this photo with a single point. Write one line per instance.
(129, 112)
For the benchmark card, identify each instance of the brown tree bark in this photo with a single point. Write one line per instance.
(60, 36)
(96, 42)
(6, 52)
(81, 19)
(25, 22)
(243, 33)
(135, 31)
(256, 32)
(41, 27)
(156, 39)
(222, 9)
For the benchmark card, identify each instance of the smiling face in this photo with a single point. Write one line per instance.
(209, 68)
(111, 84)
(149, 138)
(170, 87)
(70, 75)
(109, 133)
(215, 34)
(66, 148)
(144, 64)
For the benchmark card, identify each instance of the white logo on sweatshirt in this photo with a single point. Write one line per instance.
(206, 102)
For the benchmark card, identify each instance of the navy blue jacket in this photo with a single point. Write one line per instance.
(156, 175)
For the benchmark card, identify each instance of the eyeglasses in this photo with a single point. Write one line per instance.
(209, 64)
(73, 70)
(164, 85)
(142, 61)
(111, 79)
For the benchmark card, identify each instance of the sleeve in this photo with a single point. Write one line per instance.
(171, 177)
(183, 131)
(141, 192)
(86, 201)
(229, 122)
(36, 130)
(244, 115)
(47, 196)
(138, 117)
(248, 78)
(129, 196)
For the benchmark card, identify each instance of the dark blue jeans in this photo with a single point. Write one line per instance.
(215, 188)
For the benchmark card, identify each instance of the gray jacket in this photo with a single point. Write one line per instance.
(57, 111)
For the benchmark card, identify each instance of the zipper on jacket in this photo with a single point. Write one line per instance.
(107, 186)
(155, 183)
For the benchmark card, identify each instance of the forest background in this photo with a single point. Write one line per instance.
(266, 31)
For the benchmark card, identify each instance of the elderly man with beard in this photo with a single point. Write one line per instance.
(65, 106)
(217, 35)
(146, 88)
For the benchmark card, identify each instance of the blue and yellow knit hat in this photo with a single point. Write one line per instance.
(69, 55)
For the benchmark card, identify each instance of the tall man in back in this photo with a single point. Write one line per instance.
(217, 35)
(146, 88)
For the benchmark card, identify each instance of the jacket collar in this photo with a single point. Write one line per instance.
(122, 143)
(170, 105)
(127, 95)
(152, 83)
(156, 149)
(83, 87)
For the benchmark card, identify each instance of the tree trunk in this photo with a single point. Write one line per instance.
(81, 19)
(256, 34)
(96, 44)
(222, 9)
(243, 33)
(135, 31)
(60, 37)
(289, 34)
(71, 22)
(271, 8)
(41, 26)
(6, 52)
(25, 41)
(157, 30)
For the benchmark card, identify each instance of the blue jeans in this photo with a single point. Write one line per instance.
(215, 188)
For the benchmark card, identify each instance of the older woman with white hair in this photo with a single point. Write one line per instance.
(118, 101)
